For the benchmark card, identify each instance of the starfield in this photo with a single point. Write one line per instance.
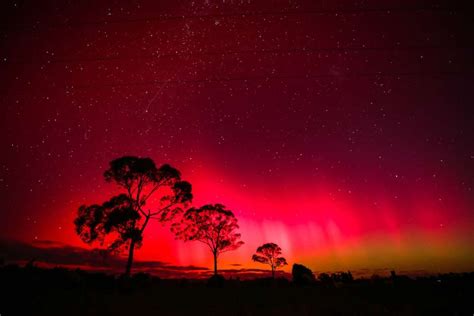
(236, 157)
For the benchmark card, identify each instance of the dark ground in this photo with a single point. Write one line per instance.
(35, 291)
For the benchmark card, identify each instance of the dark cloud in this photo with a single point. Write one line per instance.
(245, 270)
(48, 243)
(56, 254)
(252, 273)
(52, 253)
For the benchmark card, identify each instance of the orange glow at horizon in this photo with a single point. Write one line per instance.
(319, 226)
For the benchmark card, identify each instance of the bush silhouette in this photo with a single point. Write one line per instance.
(302, 274)
(325, 278)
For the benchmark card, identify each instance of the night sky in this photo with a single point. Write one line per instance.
(340, 130)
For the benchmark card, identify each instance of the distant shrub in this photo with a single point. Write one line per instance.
(344, 277)
(325, 278)
(302, 274)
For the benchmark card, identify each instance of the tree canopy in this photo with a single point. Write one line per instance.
(123, 219)
(212, 225)
(269, 254)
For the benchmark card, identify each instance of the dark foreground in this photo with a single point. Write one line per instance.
(34, 291)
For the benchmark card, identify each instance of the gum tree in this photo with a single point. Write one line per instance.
(148, 193)
(212, 225)
(270, 254)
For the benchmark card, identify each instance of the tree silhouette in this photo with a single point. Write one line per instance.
(124, 217)
(212, 225)
(269, 254)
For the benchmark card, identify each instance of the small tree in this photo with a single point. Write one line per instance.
(124, 217)
(212, 225)
(269, 254)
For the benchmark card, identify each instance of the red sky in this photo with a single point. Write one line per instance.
(341, 132)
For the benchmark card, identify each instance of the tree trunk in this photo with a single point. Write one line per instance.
(273, 272)
(128, 268)
(215, 263)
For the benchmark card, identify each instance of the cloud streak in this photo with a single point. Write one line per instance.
(52, 253)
